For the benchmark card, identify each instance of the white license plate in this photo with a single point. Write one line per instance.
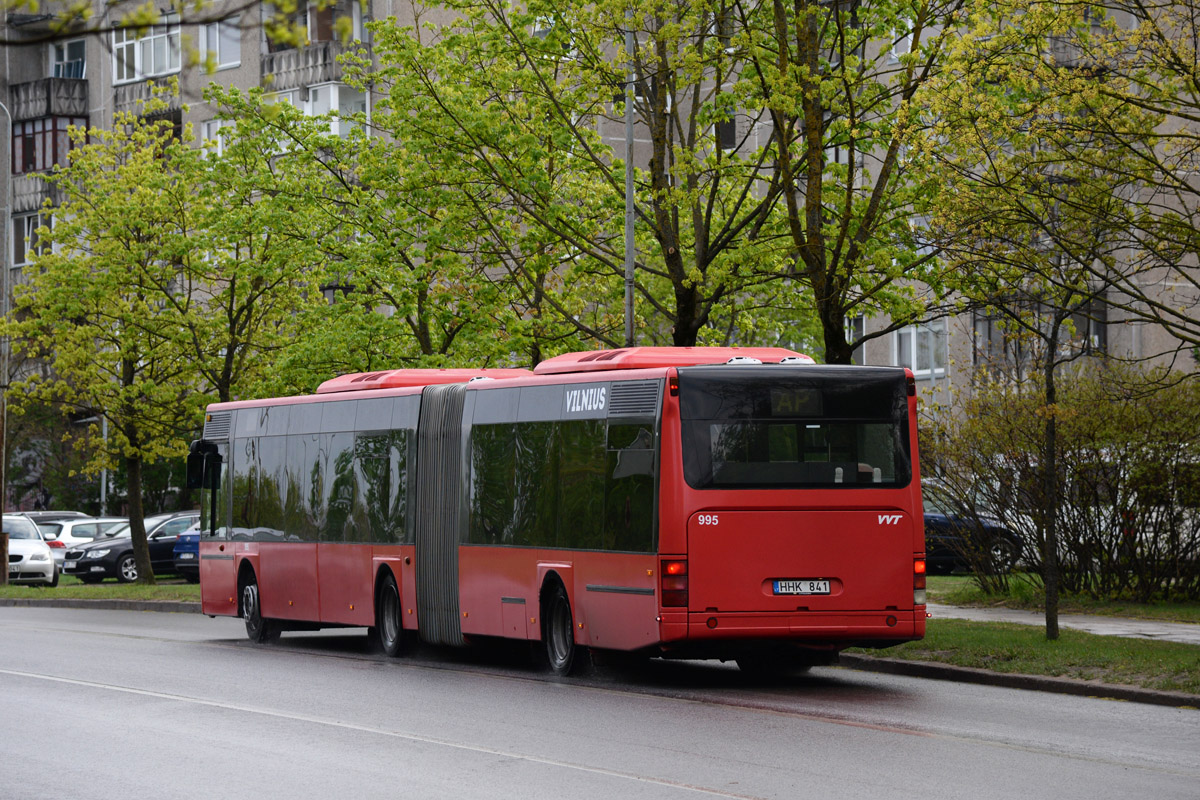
(186, 556)
(68, 565)
(804, 586)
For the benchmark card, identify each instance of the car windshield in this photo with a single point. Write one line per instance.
(18, 528)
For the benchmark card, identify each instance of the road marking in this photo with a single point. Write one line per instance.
(408, 737)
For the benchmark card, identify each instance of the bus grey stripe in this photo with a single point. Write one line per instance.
(596, 587)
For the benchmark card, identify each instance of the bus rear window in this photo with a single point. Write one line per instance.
(794, 427)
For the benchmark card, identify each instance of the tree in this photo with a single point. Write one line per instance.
(93, 307)
(518, 110)
(1043, 230)
(843, 87)
(36, 22)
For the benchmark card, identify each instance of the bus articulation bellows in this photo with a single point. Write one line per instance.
(725, 503)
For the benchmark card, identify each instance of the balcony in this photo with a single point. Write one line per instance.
(303, 66)
(130, 96)
(49, 97)
(30, 192)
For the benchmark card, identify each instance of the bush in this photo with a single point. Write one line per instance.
(1127, 477)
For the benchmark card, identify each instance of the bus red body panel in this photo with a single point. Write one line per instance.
(287, 582)
(864, 555)
(347, 584)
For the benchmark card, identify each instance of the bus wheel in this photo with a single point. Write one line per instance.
(387, 617)
(258, 629)
(558, 631)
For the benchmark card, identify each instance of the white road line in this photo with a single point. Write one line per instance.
(409, 737)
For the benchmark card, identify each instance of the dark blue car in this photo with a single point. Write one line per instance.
(187, 554)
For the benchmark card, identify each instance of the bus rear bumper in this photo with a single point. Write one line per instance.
(840, 629)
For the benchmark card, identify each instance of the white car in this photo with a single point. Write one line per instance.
(29, 557)
(64, 534)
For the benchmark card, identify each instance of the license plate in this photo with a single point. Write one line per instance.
(68, 565)
(804, 586)
(186, 556)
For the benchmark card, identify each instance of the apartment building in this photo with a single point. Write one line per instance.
(49, 83)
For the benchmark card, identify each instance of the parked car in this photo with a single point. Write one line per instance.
(46, 516)
(955, 541)
(29, 557)
(112, 557)
(187, 554)
(65, 534)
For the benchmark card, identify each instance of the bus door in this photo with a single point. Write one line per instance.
(208, 469)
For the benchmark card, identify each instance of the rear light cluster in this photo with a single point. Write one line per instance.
(919, 582)
(674, 583)
(55, 543)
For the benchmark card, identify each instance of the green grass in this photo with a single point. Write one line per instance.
(74, 589)
(960, 590)
(1023, 649)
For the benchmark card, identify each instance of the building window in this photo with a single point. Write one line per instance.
(727, 134)
(1090, 325)
(221, 43)
(922, 348)
(25, 237)
(856, 329)
(39, 144)
(903, 38)
(67, 59)
(154, 53)
(211, 139)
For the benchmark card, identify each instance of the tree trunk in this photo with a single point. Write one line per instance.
(137, 522)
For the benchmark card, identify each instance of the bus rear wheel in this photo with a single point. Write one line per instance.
(258, 629)
(558, 631)
(388, 619)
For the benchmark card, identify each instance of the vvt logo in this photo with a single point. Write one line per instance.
(890, 519)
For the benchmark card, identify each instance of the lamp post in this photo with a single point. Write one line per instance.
(631, 76)
(4, 277)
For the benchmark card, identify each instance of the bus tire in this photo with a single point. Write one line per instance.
(388, 619)
(558, 630)
(258, 628)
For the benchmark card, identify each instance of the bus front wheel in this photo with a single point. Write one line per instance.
(558, 631)
(387, 617)
(258, 628)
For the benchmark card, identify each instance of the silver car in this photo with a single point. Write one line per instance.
(64, 534)
(29, 557)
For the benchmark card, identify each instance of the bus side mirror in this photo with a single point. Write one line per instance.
(203, 466)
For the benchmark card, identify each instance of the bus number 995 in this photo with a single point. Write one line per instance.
(707, 519)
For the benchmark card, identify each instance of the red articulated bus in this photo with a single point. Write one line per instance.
(700, 502)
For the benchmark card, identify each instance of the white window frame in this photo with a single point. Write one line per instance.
(25, 238)
(222, 40)
(156, 52)
(210, 131)
(922, 348)
(902, 39)
(61, 61)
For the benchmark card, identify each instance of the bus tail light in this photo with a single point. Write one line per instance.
(674, 583)
(919, 582)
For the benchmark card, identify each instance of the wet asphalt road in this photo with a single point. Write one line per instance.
(119, 704)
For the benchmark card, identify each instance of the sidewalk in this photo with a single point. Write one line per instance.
(1184, 632)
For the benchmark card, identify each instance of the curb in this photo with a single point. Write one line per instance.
(892, 666)
(107, 605)
(948, 672)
